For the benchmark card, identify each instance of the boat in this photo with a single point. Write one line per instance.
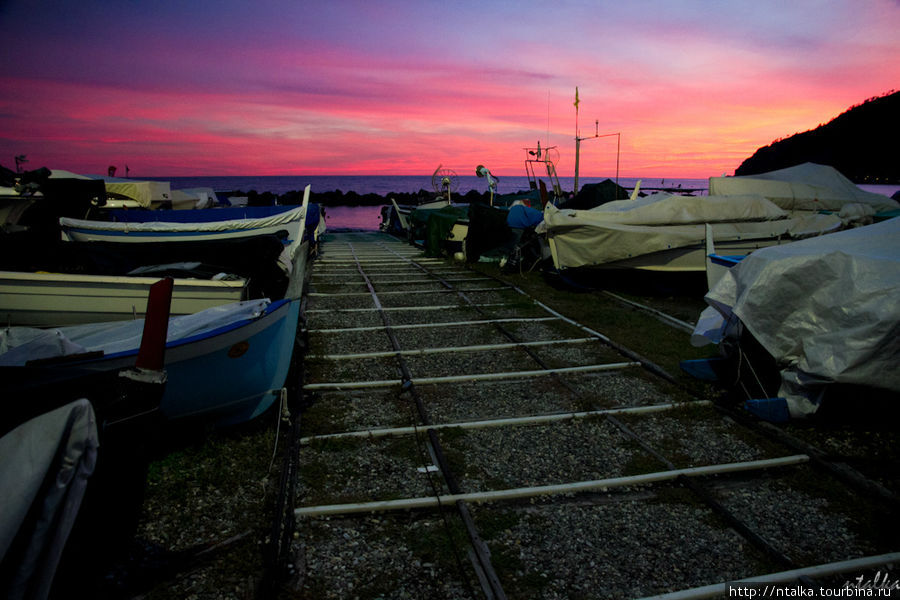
(807, 187)
(442, 226)
(41, 299)
(717, 264)
(226, 364)
(116, 192)
(439, 225)
(538, 162)
(817, 320)
(47, 282)
(87, 432)
(667, 232)
(189, 225)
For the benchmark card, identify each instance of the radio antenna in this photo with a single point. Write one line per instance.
(548, 118)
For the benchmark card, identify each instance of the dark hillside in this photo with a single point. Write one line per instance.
(863, 143)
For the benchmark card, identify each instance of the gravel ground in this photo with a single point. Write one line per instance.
(363, 470)
(353, 410)
(334, 319)
(524, 456)
(350, 371)
(626, 549)
(698, 436)
(810, 529)
(621, 543)
(606, 545)
(383, 556)
(620, 388)
(493, 399)
(469, 363)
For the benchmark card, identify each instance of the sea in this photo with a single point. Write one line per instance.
(369, 217)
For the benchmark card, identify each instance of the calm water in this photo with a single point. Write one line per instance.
(353, 217)
(369, 217)
(386, 184)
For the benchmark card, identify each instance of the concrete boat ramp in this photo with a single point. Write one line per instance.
(461, 439)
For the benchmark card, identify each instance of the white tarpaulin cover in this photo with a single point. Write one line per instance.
(804, 187)
(629, 228)
(21, 344)
(671, 209)
(826, 308)
(44, 472)
(144, 193)
(288, 216)
(193, 198)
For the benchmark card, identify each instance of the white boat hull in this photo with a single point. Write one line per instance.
(60, 299)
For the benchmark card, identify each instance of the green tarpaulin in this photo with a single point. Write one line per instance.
(434, 225)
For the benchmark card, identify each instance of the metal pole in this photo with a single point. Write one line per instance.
(577, 152)
(618, 145)
(855, 565)
(548, 490)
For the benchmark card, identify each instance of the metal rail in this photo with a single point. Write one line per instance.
(449, 349)
(482, 562)
(740, 526)
(487, 423)
(550, 490)
(681, 476)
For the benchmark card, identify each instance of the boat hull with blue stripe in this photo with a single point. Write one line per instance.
(226, 365)
(189, 225)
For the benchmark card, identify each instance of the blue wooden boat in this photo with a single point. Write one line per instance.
(225, 365)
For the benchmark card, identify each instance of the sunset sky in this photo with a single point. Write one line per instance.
(333, 87)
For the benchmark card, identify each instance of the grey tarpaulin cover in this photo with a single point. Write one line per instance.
(826, 308)
(43, 475)
(808, 186)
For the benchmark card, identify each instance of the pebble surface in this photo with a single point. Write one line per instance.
(626, 542)
(605, 545)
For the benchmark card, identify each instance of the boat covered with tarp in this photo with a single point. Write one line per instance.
(808, 186)
(433, 228)
(824, 309)
(667, 232)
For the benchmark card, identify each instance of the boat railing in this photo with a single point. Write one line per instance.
(541, 160)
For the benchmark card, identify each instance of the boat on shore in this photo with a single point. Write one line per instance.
(226, 364)
(442, 226)
(667, 232)
(46, 282)
(217, 255)
(811, 325)
(88, 431)
(807, 187)
(58, 299)
(190, 225)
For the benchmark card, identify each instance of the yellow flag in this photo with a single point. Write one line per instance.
(576, 97)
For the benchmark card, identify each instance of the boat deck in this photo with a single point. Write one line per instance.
(461, 439)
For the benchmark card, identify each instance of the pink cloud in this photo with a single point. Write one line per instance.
(692, 91)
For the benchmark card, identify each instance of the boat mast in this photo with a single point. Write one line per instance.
(579, 139)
